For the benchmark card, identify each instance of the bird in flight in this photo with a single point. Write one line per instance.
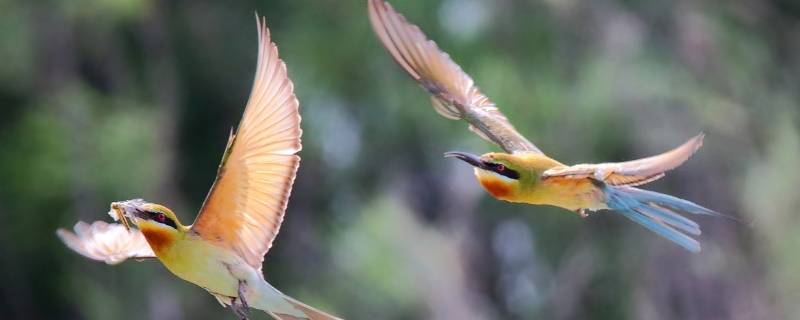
(223, 250)
(523, 173)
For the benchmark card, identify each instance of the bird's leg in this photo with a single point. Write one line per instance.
(242, 289)
(583, 212)
(241, 309)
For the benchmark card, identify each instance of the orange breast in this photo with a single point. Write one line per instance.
(497, 188)
(158, 239)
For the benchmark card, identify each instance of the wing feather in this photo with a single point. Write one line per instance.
(245, 207)
(111, 243)
(630, 173)
(455, 95)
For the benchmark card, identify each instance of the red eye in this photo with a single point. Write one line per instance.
(161, 217)
(500, 168)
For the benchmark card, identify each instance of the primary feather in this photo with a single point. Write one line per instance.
(630, 173)
(246, 204)
(455, 95)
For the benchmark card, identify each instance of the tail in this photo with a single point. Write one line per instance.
(658, 212)
(283, 307)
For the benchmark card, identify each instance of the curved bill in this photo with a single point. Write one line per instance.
(472, 159)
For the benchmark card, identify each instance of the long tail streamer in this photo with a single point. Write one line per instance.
(658, 212)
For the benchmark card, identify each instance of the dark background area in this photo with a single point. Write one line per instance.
(106, 100)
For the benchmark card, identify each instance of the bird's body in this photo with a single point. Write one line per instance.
(523, 173)
(180, 253)
(571, 194)
(216, 269)
(223, 250)
(568, 194)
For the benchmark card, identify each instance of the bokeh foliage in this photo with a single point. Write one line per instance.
(104, 100)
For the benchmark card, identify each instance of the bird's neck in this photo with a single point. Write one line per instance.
(525, 189)
(160, 238)
(498, 186)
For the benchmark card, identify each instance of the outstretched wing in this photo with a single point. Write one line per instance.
(455, 95)
(111, 243)
(630, 173)
(245, 207)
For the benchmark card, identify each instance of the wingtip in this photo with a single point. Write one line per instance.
(261, 27)
(691, 146)
(258, 21)
(697, 141)
(700, 137)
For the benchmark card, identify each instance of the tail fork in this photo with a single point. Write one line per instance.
(658, 212)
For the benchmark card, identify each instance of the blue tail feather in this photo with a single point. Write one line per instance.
(663, 230)
(669, 201)
(671, 218)
(658, 212)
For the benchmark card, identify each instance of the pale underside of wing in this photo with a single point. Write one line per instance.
(111, 243)
(244, 209)
(455, 95)
(630, 173)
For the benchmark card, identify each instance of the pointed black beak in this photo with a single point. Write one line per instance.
(466, 157)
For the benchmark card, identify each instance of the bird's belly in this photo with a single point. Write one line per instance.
(567, 194)
(202, 264)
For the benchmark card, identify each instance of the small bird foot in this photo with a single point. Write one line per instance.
(239, 305)
(239, 309)
(583, 212)
(242, 289)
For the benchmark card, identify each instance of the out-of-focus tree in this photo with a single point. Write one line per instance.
(104, 100)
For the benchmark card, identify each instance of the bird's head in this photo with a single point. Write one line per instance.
(503, 175)
(147, 216)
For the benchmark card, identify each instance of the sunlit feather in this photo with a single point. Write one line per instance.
(455, 94)
(245, 207)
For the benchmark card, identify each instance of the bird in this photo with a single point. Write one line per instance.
(223, 250)
(522, 173)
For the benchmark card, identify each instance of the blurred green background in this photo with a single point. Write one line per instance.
(104, 100)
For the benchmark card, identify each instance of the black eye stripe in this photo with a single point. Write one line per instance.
(168, 221)
(506, 171)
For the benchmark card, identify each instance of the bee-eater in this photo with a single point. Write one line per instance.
(223, 250)
(523, 173)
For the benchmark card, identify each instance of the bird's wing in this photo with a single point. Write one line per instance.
(245, 207)
(455, 95)
(630, 173)
(111, 243)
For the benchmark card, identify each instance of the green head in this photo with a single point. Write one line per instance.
(143, 213)
(505, 176)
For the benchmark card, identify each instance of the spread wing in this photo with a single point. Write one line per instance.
(630, 173)
(245, 207)
(455, 95)
(108, 242)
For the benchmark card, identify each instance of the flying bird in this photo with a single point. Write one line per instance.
(523, 173)
(223, 250)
